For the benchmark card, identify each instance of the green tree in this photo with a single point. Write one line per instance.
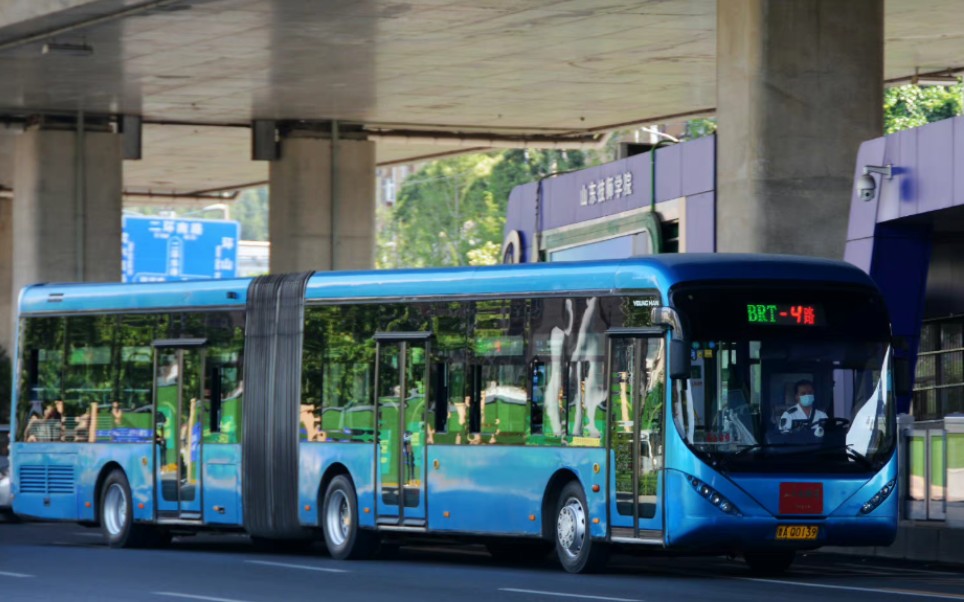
(251, 210)
(911, 106)
(452, 211)
(697, 128)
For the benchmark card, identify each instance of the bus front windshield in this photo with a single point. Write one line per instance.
(783, 397)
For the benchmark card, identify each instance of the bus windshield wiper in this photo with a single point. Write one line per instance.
(721, 461)
(853, 454)
(756, 446)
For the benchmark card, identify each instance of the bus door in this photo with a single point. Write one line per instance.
(178, 426)
(637, 396)
(400, 390)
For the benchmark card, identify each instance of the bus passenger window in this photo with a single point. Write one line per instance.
(550, 323)
(498, 405)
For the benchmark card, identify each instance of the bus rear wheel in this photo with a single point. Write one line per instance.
(771, 562)
(339, 521)
(576, 550)
(117, 516)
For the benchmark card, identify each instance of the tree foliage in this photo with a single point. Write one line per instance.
(251, 210)
(452, 211)
(912, 106)
(697, 128)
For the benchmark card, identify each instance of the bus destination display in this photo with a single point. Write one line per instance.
(784, 314)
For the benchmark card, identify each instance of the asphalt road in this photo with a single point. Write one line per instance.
(42, 561)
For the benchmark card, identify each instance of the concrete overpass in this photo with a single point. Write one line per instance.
(103, 98)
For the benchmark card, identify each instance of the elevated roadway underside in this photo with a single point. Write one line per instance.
(199, 71)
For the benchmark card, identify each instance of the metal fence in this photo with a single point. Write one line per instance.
(932, 470)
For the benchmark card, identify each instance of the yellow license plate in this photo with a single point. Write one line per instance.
(799, 532)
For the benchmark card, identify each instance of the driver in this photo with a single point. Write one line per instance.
(803, 413)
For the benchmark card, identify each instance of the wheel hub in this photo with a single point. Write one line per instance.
(338, 518)
(115, 510)
(571, 527)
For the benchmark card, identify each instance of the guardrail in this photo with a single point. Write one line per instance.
(932, 470)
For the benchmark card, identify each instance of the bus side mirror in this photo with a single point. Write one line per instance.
(679, 359)
(902, 377)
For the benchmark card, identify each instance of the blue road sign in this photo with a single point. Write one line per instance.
(161, 249)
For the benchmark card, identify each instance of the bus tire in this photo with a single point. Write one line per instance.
(339, 521)
(117, 514)
(770, 562)
(576, 550)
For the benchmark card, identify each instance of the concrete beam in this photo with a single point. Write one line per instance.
(799, 87)
(13, 12)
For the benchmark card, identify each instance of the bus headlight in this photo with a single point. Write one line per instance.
(714, 497)
(878, 498)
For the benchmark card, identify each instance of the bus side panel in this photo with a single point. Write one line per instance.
(499, 489)
(315, 458)
(133, 458)
(222, 484)
(58, 481)
(45, 480)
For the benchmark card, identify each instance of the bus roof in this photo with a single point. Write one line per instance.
(658, 272)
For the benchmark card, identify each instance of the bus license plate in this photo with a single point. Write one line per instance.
(799, 532)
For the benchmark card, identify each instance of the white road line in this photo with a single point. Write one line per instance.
(6, 574)
(565, 595)
(195, 597)
(892, 569)
(303, 567)
(870, 590)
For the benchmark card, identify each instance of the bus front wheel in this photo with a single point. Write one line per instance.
(576, 550)
(339, 514)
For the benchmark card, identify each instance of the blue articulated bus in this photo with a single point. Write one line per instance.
(697, 403)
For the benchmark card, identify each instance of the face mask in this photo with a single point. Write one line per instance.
(806, 400)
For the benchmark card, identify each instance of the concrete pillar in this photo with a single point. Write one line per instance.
(66, 228)
(311, 228)
(7, 141)
(799, 87)
(6, 276)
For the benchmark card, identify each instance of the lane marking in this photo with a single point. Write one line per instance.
(565, 595)
(303, 567)
(871, 590)
(6, 574)
(908, 571)
(195, 597)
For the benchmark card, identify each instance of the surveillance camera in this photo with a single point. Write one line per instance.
(866, 187)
